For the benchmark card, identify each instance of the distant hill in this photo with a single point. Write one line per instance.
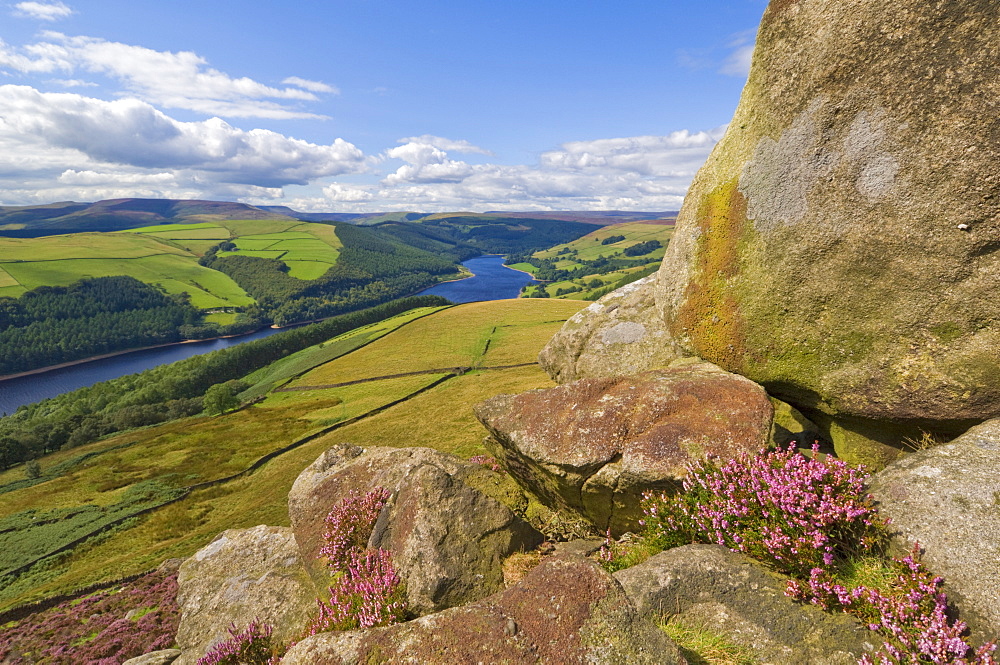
(119, 215)
(602, 217)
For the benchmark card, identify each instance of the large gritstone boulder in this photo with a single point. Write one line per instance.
(447, 540)
(947, 499)
(595, 446)
(241, 576)
(622, 333)
(840, 244)
(707, 585)
(563, 611)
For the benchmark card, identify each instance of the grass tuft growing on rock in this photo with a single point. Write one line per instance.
(702, 646)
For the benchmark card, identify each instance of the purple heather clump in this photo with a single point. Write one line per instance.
(487, 461)
(349, 526)
(781, 506)
(95, 630)
(913, 616)
(369, 593)
(250, 646)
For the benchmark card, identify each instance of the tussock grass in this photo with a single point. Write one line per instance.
(702, 646)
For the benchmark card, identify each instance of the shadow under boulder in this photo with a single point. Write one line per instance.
(596, 445)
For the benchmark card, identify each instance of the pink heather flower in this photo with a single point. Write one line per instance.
(349, 525)
(370, 593)
(250, 646)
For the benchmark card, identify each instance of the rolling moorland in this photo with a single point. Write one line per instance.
(396, 382)
(230, 268)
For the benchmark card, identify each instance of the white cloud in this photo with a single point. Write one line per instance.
(181, 80)
(73, 83)
(738, 62)
(44, 11)
(446, 144)
(56, 142)
(313, 86)
(632, 173)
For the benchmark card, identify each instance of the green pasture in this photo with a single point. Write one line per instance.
(455, 337)
(81, 246)
(166, 228)
(307, 249)
(307, 269)
(589, 247)
(188, 451)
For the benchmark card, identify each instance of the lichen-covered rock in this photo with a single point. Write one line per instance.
(595, 446)
(839, 246)
(242, 575)
(622, 333)
(447, 539)
(162, 657)
(564, 611)
(731, 594)
(947, 499)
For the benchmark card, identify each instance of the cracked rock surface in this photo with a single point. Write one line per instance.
(947, 499)
(596, 445)
(447, 539)
(566, 610)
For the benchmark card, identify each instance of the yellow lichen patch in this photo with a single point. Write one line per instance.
(709, 314)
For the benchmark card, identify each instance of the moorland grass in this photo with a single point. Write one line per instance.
(184, 452)
(589, 247)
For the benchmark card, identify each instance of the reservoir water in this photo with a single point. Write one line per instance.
(492, 281)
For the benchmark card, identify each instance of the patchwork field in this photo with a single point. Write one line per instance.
(432, 409)
(166, 256)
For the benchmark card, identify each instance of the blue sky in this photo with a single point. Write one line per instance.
(368, 105)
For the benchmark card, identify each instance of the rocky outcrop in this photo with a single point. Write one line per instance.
(947, 499)
(839, 246)
(447, 539)
(563, 611)
(242, 575)
(162, 657)
(595, 445)
(622, 333)
(733, 595)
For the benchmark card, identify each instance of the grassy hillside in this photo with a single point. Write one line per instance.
(118, 214)
(307, 408)
(586, 268)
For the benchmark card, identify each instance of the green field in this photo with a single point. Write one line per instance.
(184, 452)
(166, 256)
(569, 256)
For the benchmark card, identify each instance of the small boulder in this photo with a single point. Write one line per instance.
(242, 575)
(731, 594)
(447, 539)
(596, 445)
(161, 657)
(622, 333)
(564, 611)
(947, 499)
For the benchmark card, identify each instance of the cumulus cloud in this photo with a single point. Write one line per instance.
(78, 141)
(737, 63)
(44, 11)
(312, 86)
(181, 80)
(445, 144)
(631, 173)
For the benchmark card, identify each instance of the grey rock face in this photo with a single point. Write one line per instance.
(596, 445)
(947, 499)
(619, 334)
(242, 575)
(839, 245)
(447, 539)
(162, 657)
(564, 611)
(734, 595)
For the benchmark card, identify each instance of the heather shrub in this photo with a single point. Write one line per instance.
(250, 646)
(781, 507)
(98, 629)
(366, 591)
(349, 526)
